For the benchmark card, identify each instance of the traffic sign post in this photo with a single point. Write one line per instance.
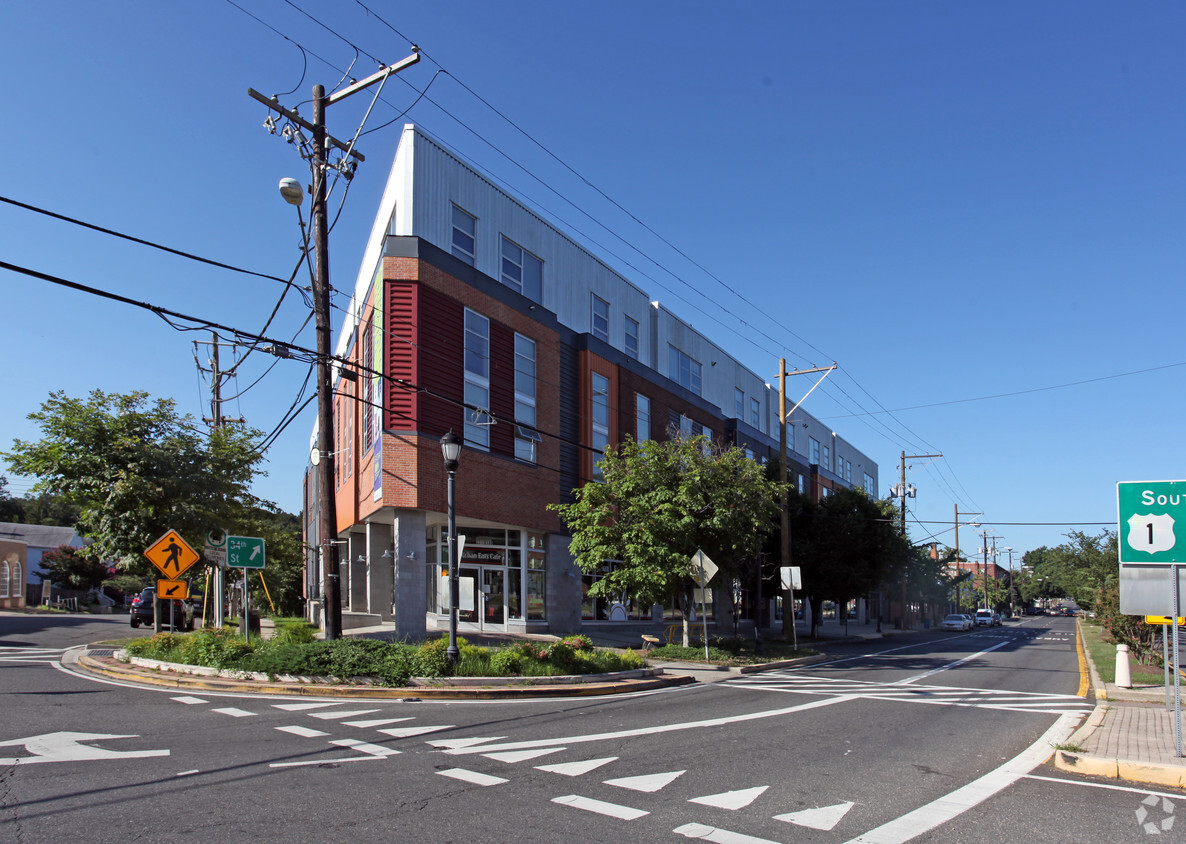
(1151, 532)
(703, 569)
(173, 556)
(245, 552)
(173, 590)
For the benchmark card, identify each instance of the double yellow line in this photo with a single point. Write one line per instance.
(1084, 677)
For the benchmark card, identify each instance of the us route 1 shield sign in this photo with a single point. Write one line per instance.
(1151, 535)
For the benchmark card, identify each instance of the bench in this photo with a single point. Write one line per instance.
(649, 641)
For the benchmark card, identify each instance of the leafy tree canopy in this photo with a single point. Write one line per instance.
(661, 502)
(135, 468)
(64, 566)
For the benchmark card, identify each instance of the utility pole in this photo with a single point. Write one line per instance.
(958, 567)
(905, 492)
(788, 613)
(327, 523)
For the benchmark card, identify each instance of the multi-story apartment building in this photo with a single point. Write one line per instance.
(483, 318)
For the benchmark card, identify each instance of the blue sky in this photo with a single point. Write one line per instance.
(977, 209)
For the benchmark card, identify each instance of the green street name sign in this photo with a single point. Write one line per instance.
(245, 552)
(1151, 522)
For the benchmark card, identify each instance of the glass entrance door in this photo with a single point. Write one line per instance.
(481, 602)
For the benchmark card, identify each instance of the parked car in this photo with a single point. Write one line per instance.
(143, 609)
(955, 622)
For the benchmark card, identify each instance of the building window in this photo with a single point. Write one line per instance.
(685, 427)
(813, 454)
(739, 402)
(4, 578)
(839, 465)
(749, 453)
(802, 485)
(477, 380)
(642, 418)
(684, 370)
(755, 414)
(465, 227)
(522, 271)
(600, 420)
(631, 341)
(848, 471)
(870, 485)
(600, 314)
(526, 438)
(827, 464)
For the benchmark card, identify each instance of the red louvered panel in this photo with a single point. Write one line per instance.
(502, 388)
(441, 342)
(400, 340)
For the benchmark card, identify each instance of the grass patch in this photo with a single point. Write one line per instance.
(1103, 653)
(1070, 747)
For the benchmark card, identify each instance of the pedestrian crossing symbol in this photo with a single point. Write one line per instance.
(171, 554)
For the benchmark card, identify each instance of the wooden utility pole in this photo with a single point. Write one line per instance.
(328, 517)
(788, 609)
(903, 493)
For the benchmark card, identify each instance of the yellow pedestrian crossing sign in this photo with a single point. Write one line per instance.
(171, 554)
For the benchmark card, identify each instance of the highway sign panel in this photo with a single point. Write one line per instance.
(245, 552)
(171, 554)
(177, 590)
(1152, 521)
(1151, 535)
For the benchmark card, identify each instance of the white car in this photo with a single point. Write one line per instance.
(955, 622)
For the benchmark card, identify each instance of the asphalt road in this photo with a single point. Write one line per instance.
(913, 737)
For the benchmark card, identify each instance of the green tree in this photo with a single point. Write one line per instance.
(136, 468)
(659, 503)
(65, 567)
(845, 546)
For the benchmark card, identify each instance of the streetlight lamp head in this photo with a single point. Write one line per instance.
(292, 191)
(451, 449)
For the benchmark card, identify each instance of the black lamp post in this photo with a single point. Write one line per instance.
(451, 448)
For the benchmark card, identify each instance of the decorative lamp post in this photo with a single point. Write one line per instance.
(451, 449)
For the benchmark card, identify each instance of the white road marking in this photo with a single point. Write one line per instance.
(653, 730)
(952, 805)
(1105, 785)
(300, 707)
(326, 716)
(613, 810)
(521, 755)
(717, 836)
(375, 722)
(472, 777)
(648, 782)
(189, 699)
(405, 732)
(303, 732)
(365, 747)
(234, 712)
(452, 744)
(65, 747)
(186, 773)
(949, 665)
(825, 817)
(732, 800)
(576, 769)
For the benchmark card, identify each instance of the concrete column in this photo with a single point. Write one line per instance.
(379, 581)
(409, 571)
(563, 588)
(357, 594)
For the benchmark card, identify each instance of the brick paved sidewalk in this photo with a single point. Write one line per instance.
(1136, 731)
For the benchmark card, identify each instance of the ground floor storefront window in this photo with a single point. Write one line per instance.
(501, 576)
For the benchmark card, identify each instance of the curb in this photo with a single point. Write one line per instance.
(109, 667)
(1124, 769)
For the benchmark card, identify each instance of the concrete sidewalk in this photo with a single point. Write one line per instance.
(1129, 736)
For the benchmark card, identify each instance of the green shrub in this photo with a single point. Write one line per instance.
(506, 662)
(162, 646)
(432, 659)
(474, 662)
(564, 658)
(296, 633)
(578, 642)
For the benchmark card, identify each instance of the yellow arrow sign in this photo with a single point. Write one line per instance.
(177, 590)
(171, 554)
(1164, 619)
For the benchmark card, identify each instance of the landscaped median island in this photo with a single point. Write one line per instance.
(731, 652)
(294, 652)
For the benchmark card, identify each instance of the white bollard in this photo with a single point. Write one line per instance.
(1123, 672)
